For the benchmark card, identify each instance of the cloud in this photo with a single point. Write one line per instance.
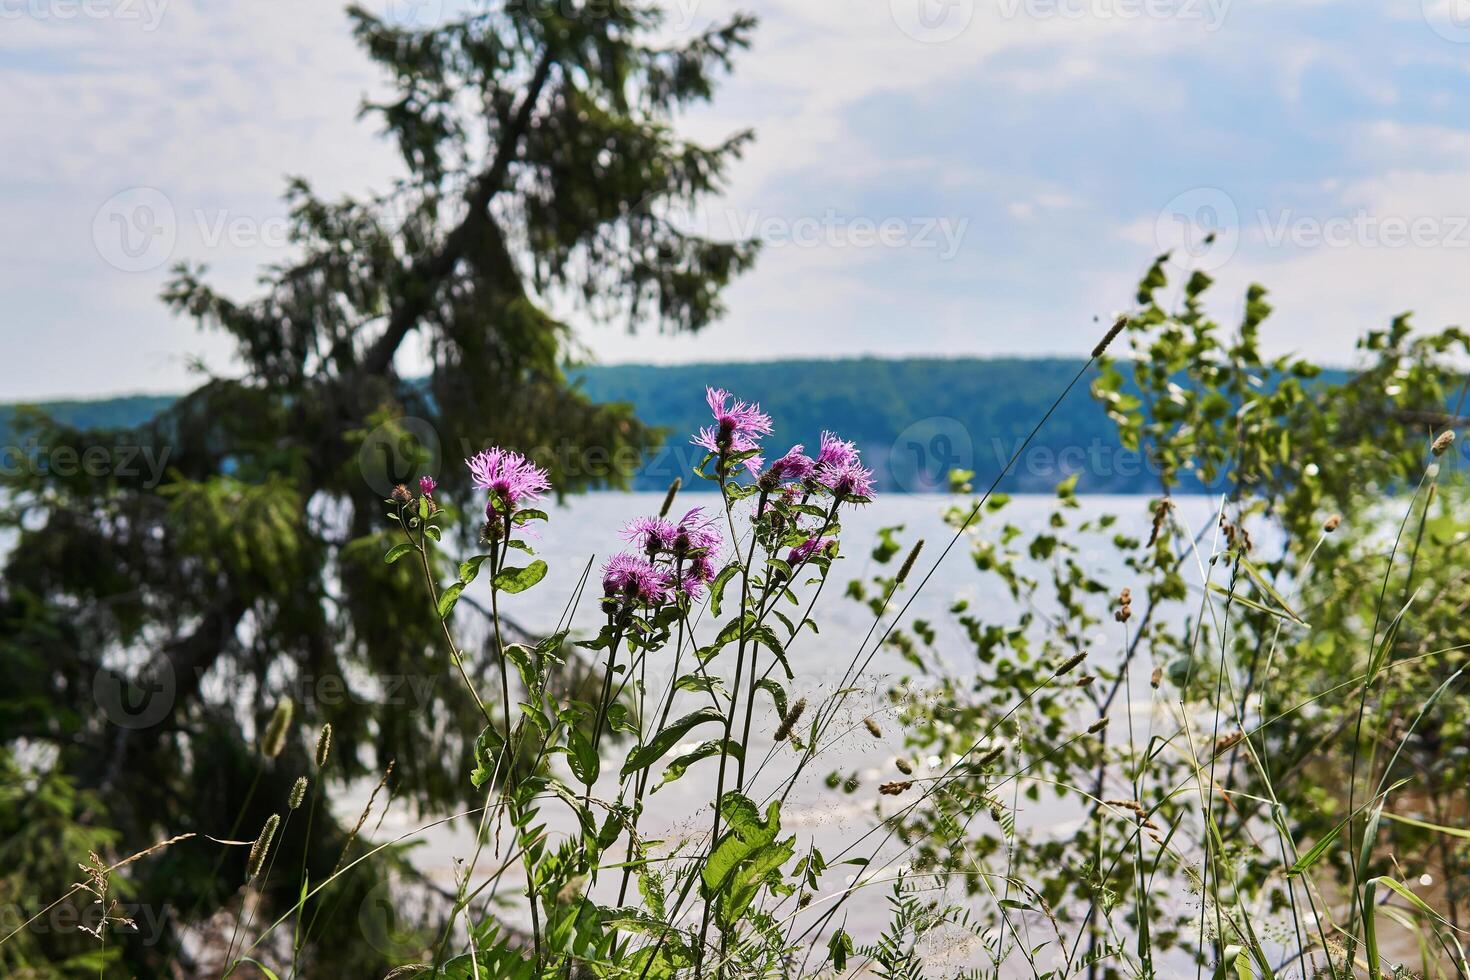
(1048, 137)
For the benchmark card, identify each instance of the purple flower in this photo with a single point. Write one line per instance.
(698, 574)
(745, 418)
(427, 485)
(634, 578)
(795, 465)
(736, 428)
(851, 482)
(806, 549)
(696, 533)
(836, 452)
(652, 534)
(513, 476)
(709, 438)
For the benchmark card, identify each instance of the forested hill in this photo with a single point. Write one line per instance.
(915, 419)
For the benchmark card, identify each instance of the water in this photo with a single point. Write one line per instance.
(586, 527)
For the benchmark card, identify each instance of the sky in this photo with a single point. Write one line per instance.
(953, 177)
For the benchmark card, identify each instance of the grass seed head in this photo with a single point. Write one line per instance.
(908, 563)
(274, 739)
(262, 845)
(298, 793)
(793, 715)
(669, 497)
(324, 745)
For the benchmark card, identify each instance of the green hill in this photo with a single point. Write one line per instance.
(915, 419)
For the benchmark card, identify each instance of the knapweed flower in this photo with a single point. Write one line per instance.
(736, 444)
(515, 478)
(635, 579)
(795, 465)
(695, 533)
(743, 417)
(698, 573)
(808, 548)
(736, 428)
(836, 453)
(427, 485)
(851, 482)
(652, 534)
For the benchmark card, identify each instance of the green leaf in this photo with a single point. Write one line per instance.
(448, 598)
(840, 948)
(1320, 848)
(767, 638)
(1269, 590)
(1219, 589)
(397, 552)
(658, 746)
(1452, 831)
(487, 747)
(470, 567)
(515, 580)
(714, 747)
(717, 587)
(747, 857)
(582, 757)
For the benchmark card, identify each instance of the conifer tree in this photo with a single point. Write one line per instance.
(542, 166)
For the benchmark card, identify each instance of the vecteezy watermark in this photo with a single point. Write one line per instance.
(1201, 227)
(136, 703)
(147, 14)
(831, 228)
(136, 230)
(145, 464)
(1362, 229)
(386, 922)
(1210, 13)
(1450, 19)
(926, 452)
(932, 21)
(148, 921)
(398, 451)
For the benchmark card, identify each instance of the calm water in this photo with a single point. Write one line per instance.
(586, 527)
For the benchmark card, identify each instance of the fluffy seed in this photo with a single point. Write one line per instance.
(1444, 442)
(872, 727)
(1158, 676)
(1333, 523)
(298, 793)
(274, 739)
(262, 845)
(903, 766)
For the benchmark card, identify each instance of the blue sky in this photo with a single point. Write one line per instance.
(931, 176)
